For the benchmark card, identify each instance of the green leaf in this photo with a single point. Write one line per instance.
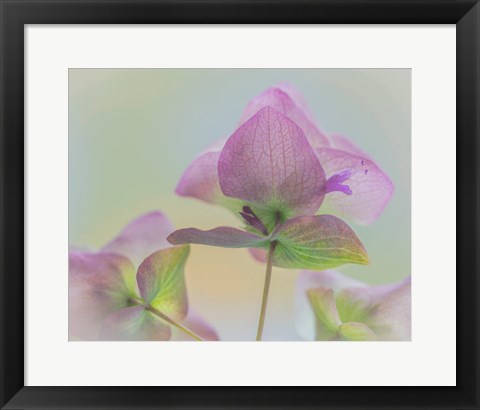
(325, 310)
(161, 282)
(316, 242)
(357, 332)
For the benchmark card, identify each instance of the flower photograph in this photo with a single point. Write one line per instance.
(239, 205)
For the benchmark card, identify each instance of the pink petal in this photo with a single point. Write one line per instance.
(224, 237)
(269, 162)
(298, 98)
(278, 99)
(370, 187)
(197, 324)
(259, 254)
(134, 324)
(99, 284)
(342, 143)
(142, 237)
(200, 180)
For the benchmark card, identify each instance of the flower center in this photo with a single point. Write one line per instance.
(335, 182)
(253, 220)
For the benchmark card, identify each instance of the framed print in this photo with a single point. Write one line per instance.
(238, 205)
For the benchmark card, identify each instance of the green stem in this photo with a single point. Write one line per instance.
(173, 322)
(266, 288)
(168, 319)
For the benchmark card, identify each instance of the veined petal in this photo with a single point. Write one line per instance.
(99, 284)
(134, 324)
(142, 237)
(223, 237)
(325, 310)
(269, 163)
(368, 188)
(279, 99)
(160, 279)
(316, 242)
(197, 324)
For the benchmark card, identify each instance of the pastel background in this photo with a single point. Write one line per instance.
(132, 133)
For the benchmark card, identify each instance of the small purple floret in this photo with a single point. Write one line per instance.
(334, 183)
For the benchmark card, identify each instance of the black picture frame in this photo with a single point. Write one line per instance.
(15, 14)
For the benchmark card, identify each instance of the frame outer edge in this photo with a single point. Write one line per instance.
(468, 202)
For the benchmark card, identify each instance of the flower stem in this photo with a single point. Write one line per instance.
(266, 288)
(173, 322)
(167, 319)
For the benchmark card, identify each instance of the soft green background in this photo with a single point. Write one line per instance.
(132, 132)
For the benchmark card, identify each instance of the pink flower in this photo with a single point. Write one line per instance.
(330, 306)
(133, 288)
(275, 172)
(342, 180)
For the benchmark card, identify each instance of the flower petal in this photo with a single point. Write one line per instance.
(316, 242)
(325, 310)
(279, 99)
(304, 317)
(356, 332)
(258, 254)
(200, 180)
(197, 324)
(142, 237)
(98, 284)
(134, 324)
(387, 308)
(342, 143)
(160, 279)
(370, 187)
(224, 237)
(269, 163)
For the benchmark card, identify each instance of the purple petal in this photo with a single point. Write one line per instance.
(224, 237)
(197, 324)
(134, 324)
(200, 180)
(370, 187)
(99, 284)
(278, 99)
(269, 162)
(161, 281)
(142, 237)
